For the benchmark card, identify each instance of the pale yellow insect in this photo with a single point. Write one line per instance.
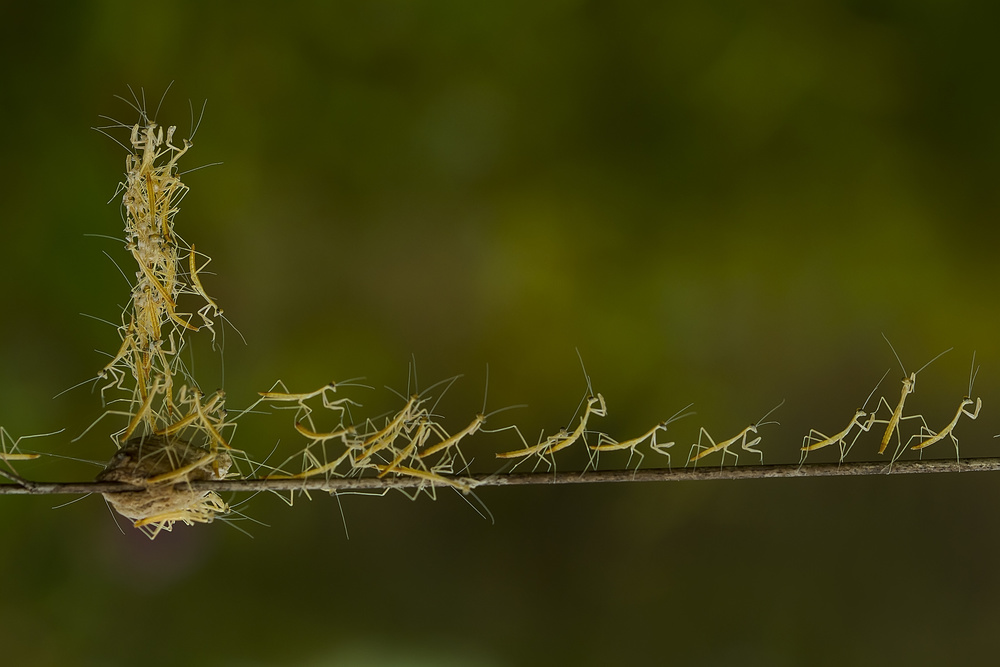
(563, 440)
(950, 428)
(909, 386)
(215, 403)
(212, 428)
(18, 457)
(815, 440)
(345, 434)
(111, 369)
(313, 466)
(451, 441)
(474, 426)
(821, 441)
(545, 449)
(304, 396)
(723, 445)
(528, 450)
(605, 443)
(462, 484)
(393, 429)
(9, 447)
(181, 472)
(143, 414)
(338, 405)
(403, 422)
(422, 432)
(209, 302)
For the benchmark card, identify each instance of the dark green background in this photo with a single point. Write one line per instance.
(719, 202)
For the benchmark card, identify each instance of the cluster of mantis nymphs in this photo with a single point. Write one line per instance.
(173, 433)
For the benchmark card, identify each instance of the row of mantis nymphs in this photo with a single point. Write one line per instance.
(407, 442)
(919, 441)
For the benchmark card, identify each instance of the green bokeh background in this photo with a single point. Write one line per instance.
(718, 202)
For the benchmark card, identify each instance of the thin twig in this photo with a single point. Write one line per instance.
(26, 487)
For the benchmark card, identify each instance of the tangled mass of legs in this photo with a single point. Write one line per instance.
(173, 432)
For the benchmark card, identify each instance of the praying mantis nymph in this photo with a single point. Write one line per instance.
(723, 445)
(10, 453)
(423, 430)
(950, 428)
(194, 415)
(388, 434)
(462, 484)
(474, 426)
(564, 437)
(816, 440)
(605, 443)
(562, 440)
(909, 386)
(527, 450)
(301, 397)
(144, 410)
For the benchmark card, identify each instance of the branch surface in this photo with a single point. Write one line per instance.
(21, 486)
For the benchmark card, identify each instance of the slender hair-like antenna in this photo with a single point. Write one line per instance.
(934, 359)
(973, 373)
(201, 116)
(863, 405)
(895, 355)
(162, 97)
(762, 422)
(917, 372)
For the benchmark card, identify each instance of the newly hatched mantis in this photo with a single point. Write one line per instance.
(723, 446)
(818, 440)
(909, 386)
(474, 426)
(193, 415)
(10, 453)
(421, 433)
(564, 437)
(338, 405)
(605, 443)
(462, 484)
(949, 429)
(210, 304)
(527, 450)
(385, 436)
(404, 422)
(143, 411)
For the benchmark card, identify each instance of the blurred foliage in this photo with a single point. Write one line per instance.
(715, 202)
